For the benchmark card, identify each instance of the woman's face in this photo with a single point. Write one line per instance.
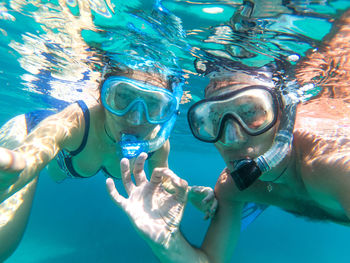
(235, 143)
(134, 121)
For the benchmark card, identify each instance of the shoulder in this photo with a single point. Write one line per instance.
(76, 113)
(225, 188)
(321, 137)
(324, 117)
(67, 125)
(322, 127)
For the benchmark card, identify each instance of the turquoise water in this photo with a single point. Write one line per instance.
(49, 56)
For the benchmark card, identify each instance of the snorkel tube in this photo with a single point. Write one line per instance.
(247, 171)
(131, 147)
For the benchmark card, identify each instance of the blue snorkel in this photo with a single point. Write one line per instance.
(132, 147)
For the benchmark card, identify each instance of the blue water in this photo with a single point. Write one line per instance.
(75, 221)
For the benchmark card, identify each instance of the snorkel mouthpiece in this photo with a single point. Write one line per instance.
(131, 147)
(245, 174)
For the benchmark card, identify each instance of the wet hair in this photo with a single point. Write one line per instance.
(218, 69)
(113, 70)
(279, 70)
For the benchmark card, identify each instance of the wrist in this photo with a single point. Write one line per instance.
(168, 250)
(178, 250)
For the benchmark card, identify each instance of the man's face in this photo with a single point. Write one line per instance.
(235, 143)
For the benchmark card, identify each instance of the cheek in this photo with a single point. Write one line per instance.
(113, 119)
(219, 147)
(259, 146)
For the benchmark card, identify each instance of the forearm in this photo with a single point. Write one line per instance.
(21, 180)
(178, 250)
(36, 156)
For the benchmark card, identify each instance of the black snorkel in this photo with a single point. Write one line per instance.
(246, 173)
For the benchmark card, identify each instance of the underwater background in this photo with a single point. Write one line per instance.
(53, 52)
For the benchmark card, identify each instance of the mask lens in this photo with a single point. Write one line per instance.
(120, 95)
(255, 109)
(204, 122)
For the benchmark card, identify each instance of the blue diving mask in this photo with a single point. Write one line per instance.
(119, 95)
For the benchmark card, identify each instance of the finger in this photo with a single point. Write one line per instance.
(195, 188)
(113, 193)
(213, 208)
(201, 190)
(157, 175)
(209, 196)
(126, 175)
(139, 166)
(214, 205)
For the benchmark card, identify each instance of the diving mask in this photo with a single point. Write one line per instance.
(254, 108)
(120, 95)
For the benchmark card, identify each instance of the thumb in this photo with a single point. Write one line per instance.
(114, 194)
(180, 185)
(209, 195)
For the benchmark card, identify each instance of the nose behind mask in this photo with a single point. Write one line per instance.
(232, 135)
(136, 114)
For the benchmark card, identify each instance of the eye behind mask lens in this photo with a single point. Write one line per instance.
(255, 109)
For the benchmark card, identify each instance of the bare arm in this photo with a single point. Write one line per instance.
(221, 238)
(39, 148)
